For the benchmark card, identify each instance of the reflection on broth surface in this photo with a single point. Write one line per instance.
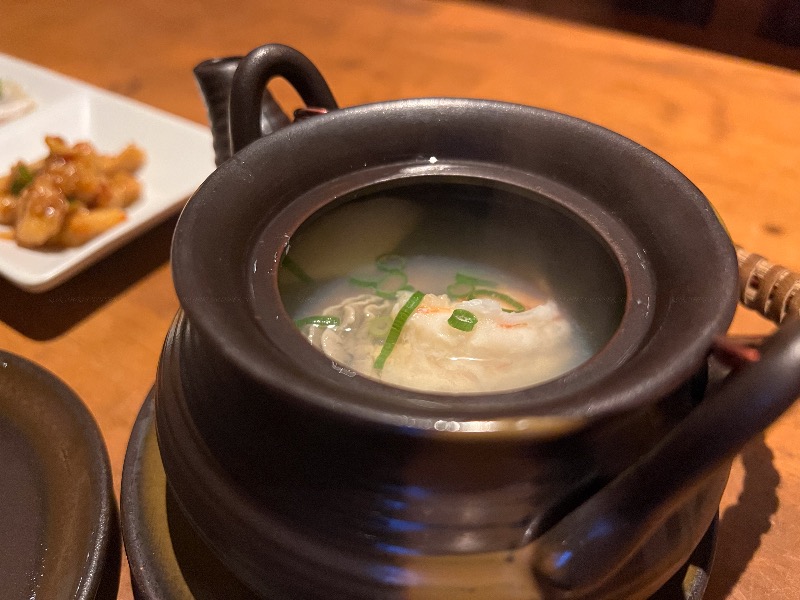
(449, 288)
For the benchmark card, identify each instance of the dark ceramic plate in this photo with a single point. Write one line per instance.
(59, 536)
(169, 562)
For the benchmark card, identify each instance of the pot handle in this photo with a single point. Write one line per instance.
(252, 75)
(592, 542)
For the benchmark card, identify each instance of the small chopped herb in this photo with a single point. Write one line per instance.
(368, 283)
(379, 326)
(386, 277)
(463, 320)
(474, 281)
(386, 295)
(318, 320)
(391, 283)
(459, 291)
(397, 327)
(22, 177)
(465, 285)
(390, 262)
(367, 277)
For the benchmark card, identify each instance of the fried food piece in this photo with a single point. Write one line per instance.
(21, 174)
(60, 149)
(120, 190)
(83, 224)
(78, 179)
(71, 195)
(41, 211)
(8, 208)
(129, 160)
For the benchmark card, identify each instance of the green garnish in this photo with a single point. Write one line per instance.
(366, 276)
(295, 269)
(389, 278)
(463, 320)
(465, 286)
(393, 282)
(363, 282)
(499, 296)
(459, 291)
(390, 262)
(379, 326)
(397, 326)
(474, 281)
(22, 177)
(387, 284)
(319, 320)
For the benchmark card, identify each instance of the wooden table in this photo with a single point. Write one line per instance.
(732, 126)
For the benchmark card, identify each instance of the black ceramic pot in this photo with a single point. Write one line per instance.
(310, 481)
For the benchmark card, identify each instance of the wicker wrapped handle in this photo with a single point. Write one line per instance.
(771, 290)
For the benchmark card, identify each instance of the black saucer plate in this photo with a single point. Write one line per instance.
(168, 561)
(59, 536)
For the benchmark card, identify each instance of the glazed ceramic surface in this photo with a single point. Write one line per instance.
(58, 532)
(168, 561)
(320, 483)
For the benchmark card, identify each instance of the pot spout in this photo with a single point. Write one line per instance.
(215, 78)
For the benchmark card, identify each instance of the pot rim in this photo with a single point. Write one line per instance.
(644, 376)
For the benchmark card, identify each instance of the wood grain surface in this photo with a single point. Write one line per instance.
(730, 125)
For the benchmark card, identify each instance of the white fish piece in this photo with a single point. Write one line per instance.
(504, 350)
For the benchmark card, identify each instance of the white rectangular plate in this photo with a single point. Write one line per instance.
(179, 157)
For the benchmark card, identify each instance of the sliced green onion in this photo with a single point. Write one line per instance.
(318, 320)
(499, 296)
(390, 262)
(368, 283)
(474, 281)
(295, 269)
(397, 326)
(22, 178)
(457, 291)
(463, 320)
(366, 276)
(379, 326)
(393, 282)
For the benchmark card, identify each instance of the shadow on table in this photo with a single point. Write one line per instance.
(743, 524)
(50, 314)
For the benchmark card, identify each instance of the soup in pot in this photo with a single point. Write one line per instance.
(437, 288)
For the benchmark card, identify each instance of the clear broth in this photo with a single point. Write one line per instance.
(565, 290)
